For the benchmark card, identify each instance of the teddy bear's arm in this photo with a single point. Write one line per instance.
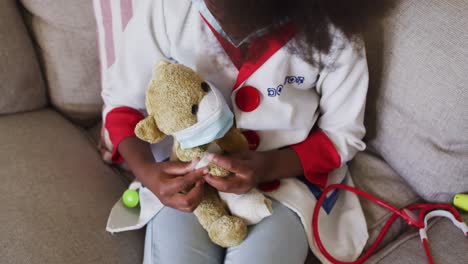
(187, 155)
(233, 141)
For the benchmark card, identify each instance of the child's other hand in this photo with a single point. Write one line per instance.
(169, 179)
(249, 168)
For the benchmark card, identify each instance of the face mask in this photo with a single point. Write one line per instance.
(214, 121)
(217, 26)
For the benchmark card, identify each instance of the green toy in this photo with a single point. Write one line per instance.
(461, 201)
(130, 198)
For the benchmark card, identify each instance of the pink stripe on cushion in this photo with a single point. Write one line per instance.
(126, 8)
(108, 32)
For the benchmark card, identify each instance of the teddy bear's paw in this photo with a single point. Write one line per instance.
(228, 231)
(217, 171)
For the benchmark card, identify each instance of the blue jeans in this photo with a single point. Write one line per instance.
(176, 237)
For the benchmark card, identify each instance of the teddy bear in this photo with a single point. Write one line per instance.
(181, 104)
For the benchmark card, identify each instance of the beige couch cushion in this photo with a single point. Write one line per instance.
(56, 195)
(21, 84)
(371, 174)
(65, 32)
(417, 116)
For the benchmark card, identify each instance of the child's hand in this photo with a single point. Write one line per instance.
(169, 179)
(251, 168)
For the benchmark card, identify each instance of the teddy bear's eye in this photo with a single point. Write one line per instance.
(194, 109)
(205, 87)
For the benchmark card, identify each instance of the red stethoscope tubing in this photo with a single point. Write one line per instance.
(406, 213)
(428, 251)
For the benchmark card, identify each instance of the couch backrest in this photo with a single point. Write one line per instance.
(21, 84)
(417, 115)
(65, 34)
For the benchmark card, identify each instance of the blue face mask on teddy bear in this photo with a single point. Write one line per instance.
(214, 121)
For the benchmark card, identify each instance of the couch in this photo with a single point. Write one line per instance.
(56, 192)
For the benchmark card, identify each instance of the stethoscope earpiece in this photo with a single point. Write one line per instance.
(461, 201)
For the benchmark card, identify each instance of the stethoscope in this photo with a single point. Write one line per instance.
(419, 220)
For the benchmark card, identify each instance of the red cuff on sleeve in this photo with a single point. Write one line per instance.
(120, 124)
(318, 156)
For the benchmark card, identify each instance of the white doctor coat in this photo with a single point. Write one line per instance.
(278, 99)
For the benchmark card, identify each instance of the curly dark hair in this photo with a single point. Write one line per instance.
(311, 17)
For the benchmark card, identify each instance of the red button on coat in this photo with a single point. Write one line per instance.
(269, 186)
(248, 98)
(252, 138)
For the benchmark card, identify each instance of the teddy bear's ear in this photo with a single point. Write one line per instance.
(148, 130)
(162, 63)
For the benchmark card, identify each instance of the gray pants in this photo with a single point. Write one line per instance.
(175, 237)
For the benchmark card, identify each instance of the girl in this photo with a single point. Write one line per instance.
(296, 78)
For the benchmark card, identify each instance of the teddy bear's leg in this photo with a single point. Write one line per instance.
(224, 229)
